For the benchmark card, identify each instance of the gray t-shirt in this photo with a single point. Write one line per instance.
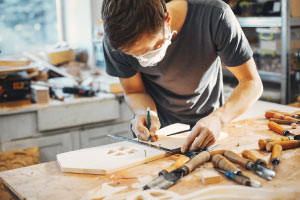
(187, 84)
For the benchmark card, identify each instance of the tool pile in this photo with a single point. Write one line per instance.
(224, 160)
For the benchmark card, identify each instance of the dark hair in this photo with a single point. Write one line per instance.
(125, 20)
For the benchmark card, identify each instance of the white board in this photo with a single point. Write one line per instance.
(108, 158)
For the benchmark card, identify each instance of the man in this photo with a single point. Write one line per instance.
(168, 57)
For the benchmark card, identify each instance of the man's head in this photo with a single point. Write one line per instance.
(135, 26)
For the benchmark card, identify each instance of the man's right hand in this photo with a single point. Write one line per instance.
(140, 126)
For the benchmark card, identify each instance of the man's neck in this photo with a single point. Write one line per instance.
(178, 11)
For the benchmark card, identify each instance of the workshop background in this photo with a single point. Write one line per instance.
(55, 96)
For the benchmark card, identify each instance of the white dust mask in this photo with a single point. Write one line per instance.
(153, 57)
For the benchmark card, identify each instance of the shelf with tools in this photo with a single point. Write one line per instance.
(284, 50)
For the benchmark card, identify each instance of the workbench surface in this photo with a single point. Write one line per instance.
(46, 181)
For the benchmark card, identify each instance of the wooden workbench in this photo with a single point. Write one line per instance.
(46, 181)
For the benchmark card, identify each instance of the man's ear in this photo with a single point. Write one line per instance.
(168, 18)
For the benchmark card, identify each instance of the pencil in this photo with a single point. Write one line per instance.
(148, 121)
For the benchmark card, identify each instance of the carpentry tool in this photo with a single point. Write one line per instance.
(167, 180)
(232, 172)
(285, 114)
(275, 157)
(285, 144)
(262, 143)
(270, 114)
(248, 164)
(280, 130)
(184, 158)
(282, 121)
(249, 155)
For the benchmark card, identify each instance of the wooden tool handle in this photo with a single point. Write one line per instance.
(285, 144)
(262, 143)
(221, 162)
(277, 128)
(235, 158)
(269, 114)
(178, 163)
(278, 115)
(285, 113)
(198, 160)
(248, 154)
(276, 151)
(282, 121)
(212, 153)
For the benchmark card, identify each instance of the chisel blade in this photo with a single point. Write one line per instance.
(264, 172)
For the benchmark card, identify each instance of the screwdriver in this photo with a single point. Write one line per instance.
(275, 157)
(234, 173)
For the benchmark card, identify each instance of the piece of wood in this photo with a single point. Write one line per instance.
(60, 56)
(108, 158)
(14, 61)
(7, 69)
(210, 177)
(40, 94)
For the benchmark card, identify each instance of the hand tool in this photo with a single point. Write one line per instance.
(285, 144)
(248, 164)
(280, 130)
(275, 157)
(282, 121)
(262, 143)
(285, 113)
(184, 158)
(270, 114)
(249, 155)
(168, 179)
(232, 171)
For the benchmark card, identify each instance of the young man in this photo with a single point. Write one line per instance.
(168, 57)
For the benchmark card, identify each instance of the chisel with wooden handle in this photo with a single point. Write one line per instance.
(167, 180)
(275, 115)
(248, 164)
(262, 143)
(249, 155)
(232, 172)
(296, 116)
(280, 130)
(282, 121)
(275, 157)
(292, 144)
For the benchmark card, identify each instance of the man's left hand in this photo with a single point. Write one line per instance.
(203, 134)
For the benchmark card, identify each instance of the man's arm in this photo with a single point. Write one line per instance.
(249, 89)
(138, 100)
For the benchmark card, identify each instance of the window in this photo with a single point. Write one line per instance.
(27, 25)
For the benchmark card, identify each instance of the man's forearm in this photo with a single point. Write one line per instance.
(138, 102)
(243, 97)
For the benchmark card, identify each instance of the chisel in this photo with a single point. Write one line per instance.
(168, 179)
(275, 157)
(249, 155)
(232, 171)
(248, 164)
(262, 143)
(282, 121)
(296, 116)
(270, 114)
(280, 130)
(285, 144)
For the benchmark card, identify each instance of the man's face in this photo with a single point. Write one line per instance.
(146, 42)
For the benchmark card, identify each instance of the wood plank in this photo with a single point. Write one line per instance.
(108, 158)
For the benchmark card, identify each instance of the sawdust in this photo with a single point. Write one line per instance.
(102, 192)
(142, 181)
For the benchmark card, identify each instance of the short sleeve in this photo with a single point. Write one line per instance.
(117, 63)
(230, 40)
